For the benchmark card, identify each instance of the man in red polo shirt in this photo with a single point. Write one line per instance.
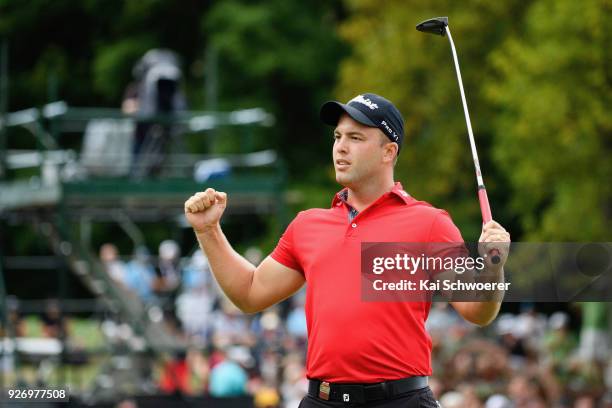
(360, 352)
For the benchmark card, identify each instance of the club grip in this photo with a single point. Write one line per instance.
(485, 209)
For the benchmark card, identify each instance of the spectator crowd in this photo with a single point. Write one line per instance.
(525, 359)
(230, 354)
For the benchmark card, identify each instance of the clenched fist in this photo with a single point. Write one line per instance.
(204, 210)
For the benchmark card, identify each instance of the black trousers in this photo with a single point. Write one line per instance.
(422, 398)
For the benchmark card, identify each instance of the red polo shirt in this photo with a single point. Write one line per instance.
(350, 340)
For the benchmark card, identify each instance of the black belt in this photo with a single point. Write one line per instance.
(362, 393)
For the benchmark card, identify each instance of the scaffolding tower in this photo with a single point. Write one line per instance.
(59, 189)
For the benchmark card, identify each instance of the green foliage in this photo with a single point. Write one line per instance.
(416, 71)
(276, 38)
(552, 133)
(278, 54)
(536, 76)
(283, 55)
(89, 47)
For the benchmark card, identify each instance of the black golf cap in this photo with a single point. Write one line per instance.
(368, 109)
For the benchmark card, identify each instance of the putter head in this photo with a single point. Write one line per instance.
(434, 25)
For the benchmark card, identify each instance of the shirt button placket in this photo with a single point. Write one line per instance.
(352, 230)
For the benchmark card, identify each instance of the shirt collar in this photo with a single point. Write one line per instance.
(398, 191)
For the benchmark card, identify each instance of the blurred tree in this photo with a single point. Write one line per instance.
(416, 71)
(279, 54)
(537, 79)
(284, 55)
(531, 69)
(553, 129)
(90, 46)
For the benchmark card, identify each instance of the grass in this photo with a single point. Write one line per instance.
(84, 333)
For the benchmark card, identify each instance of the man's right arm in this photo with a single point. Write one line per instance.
(250, 288)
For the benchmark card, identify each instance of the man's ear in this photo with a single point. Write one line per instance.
(390, 151)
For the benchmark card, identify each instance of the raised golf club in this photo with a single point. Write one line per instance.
(439, 25)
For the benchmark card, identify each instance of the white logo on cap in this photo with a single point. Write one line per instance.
(364, 101)
(389, 130)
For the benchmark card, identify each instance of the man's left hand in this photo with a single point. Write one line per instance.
(494, 236)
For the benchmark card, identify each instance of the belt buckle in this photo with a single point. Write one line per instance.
(324, 390)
